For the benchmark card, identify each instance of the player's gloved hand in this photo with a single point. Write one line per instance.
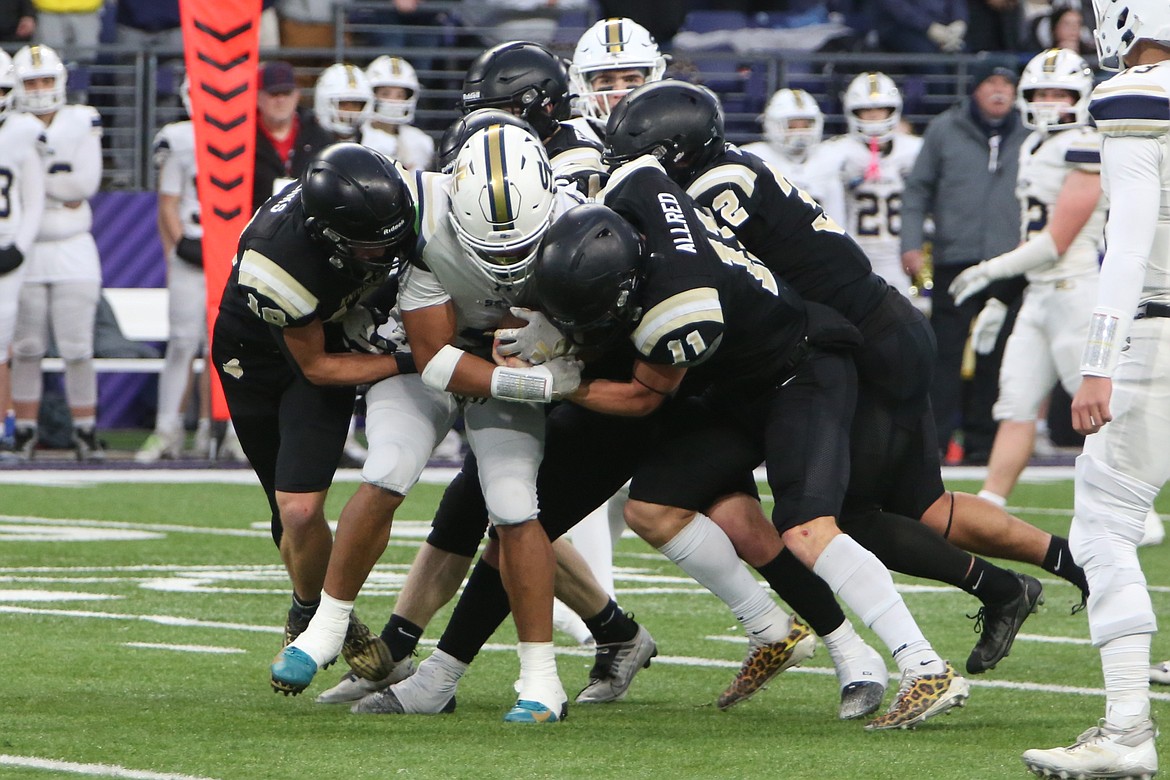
(970, 282)
(566, 375)
(366, 329)
(985, 330)
(538, 341)
(10, 259)
(190, 250)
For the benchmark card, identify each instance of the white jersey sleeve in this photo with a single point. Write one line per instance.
(22, 180)
(1132, 112)
(174, 154)
(73, 171)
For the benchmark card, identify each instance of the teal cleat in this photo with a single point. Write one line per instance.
(527, 711)
(292, 671)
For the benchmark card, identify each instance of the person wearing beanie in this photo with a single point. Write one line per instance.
(965, 179)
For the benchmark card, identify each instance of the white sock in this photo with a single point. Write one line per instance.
(539, 680)
(866, 587)
(995, 498)
(844, 645)
(703, 551)
(323, 638)
(1125, 662)
(85, 423)
(444, 667)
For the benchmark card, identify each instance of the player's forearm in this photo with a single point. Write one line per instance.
(348, 368)
(623, 399)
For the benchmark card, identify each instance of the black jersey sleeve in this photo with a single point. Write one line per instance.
(682, 322)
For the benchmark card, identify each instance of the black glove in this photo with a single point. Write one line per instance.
(190, 250)
(10, 259)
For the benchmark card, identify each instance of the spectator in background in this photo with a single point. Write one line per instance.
(921, 26)
(69, 26)
(1064, 28)
(965, 177)
(498, 21)
(149, 24)
(308, 24)
(994, 25)
(287, 137)
(18, 20)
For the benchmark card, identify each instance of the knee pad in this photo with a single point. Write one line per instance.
(393, 465)
(1109, 502)
(510, 500)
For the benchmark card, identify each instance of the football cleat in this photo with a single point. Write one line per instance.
(24, 443)
(999, 624)
(527, 711)
(366, 653)
(160, 446)
(920, 697)
(295, 624)
(765, 660)
(863, 685)
(292, 670)
(87, 446)
(1160, 673)
(1101, 752)
(352, 688)
(614, 667)
(429, 691)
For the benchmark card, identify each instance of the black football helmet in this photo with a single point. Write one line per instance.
(521, 77)
(465, 126)
(678, 123)
(356, 200)
(588, 271)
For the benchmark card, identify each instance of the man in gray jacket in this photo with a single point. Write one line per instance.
(965, 178)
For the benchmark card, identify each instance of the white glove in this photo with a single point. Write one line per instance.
(566, 375)
(957, 32)
(939, 34)
(538, 341)
(970, 282)
(985, 330)
(370, 330)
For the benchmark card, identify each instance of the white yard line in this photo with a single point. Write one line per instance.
(186, 648)
(92, 770)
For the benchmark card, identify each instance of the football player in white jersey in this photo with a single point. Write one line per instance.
(388, 129)
(613, 57)
(22, 201)
(480, 229)
(1062, 215)
(1121, 403)
(62, 283)
(794, 126)
(182, 238)
(343, 100)
(872, 162)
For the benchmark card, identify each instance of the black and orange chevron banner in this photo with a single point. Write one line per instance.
(221, 43)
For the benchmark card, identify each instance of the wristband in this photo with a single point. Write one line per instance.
(1101, 348)
(405, 362)
(522, 384)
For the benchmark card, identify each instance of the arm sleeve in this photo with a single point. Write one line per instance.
(82, 182)
(32, 198)
(1132, 174)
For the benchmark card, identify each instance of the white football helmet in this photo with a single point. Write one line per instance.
(7, 83)
(1055, 69)
(612, 44)
(387, 71)
(785, 106)
(1122, 23)
(502, 198)
(342, 83)
(38, 61)
(872, 90)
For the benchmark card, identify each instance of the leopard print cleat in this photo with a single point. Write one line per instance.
(366, 653)
(920, 697)
(766, 660)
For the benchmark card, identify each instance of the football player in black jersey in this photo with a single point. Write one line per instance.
(307, 257)
(528, 81)
(895, 457)
(772, 383)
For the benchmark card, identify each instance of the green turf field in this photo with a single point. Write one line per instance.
(137, 622)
